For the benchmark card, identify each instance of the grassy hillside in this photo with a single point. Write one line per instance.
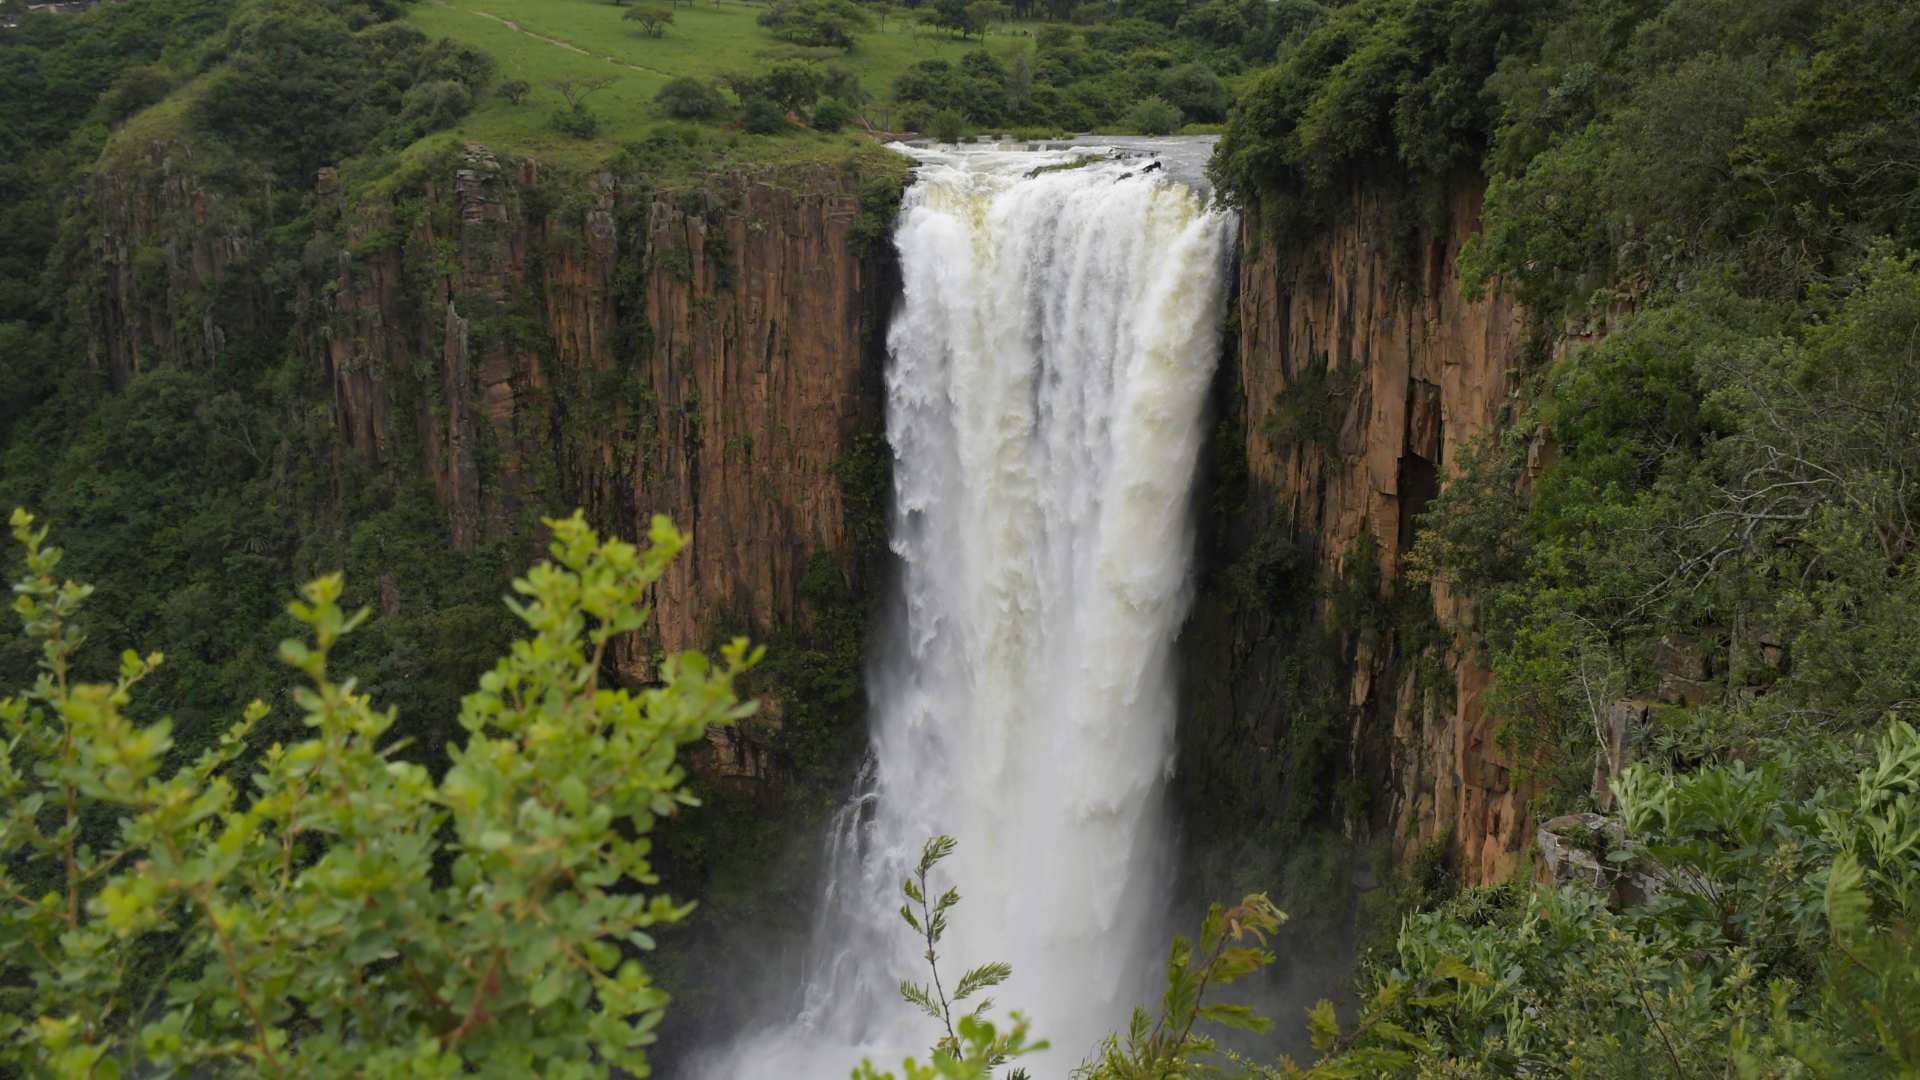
(542, 40)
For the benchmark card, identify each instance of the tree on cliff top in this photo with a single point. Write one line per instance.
(575, 91)
(688, 98)
(816, 22)
(793, 85)
(959, 16)
(653, 21)
(302, 86)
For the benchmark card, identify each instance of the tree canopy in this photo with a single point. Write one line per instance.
(832, 23)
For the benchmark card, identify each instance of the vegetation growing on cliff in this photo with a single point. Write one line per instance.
(193, 474)
(1721, 474)
(1390, 90)
(1770, 933)
(1690, 548)
(228, 414)
(1637, 150)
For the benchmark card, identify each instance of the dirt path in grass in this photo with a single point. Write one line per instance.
(558, 42)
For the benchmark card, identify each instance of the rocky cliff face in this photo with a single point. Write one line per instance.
(168, 269)
(706, 353)
(1358, 376)
(530, 343)
(711, 351)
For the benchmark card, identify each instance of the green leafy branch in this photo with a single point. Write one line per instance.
(1232, 945)
(339, 912)
(971, 1046)
(931, 925)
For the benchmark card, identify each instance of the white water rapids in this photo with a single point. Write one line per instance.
(1049, 367)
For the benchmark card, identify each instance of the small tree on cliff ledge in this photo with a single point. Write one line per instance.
(333, 910)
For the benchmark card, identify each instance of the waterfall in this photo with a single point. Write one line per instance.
(1049, 366)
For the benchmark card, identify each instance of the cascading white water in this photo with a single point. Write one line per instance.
(1050, 361)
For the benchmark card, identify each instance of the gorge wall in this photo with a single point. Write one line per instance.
(1358, 375)
(712, 350)
(707, 353)
(530, 342)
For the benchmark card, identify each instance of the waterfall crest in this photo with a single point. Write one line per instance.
(1049, 367)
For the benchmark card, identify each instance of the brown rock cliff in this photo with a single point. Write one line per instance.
(530, 342)
(1407, 372)
(168, 270)
(706, 352)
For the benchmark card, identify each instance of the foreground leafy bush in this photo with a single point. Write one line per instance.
(969, 1046)
(338, 911)
(1780, 942)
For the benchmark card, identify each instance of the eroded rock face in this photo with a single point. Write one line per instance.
(168, 271)
(705, 354)
(1415, 372)
(530, 343)
(1432, 369)
(1576, 849)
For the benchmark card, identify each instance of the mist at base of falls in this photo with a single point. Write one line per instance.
(1049, 365)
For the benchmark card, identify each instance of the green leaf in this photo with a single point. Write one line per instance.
(1238, 1017)
(915, 994)
(981, 978)
(548, 988)
(1401, 1035)
(573, 795)
(1451, 967)
(1323, 1027)
(1847, 903)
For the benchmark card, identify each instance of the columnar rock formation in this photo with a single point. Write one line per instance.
(706, 353)
(1420, 371)
(527, 342)
(711, 351)
(168, 270)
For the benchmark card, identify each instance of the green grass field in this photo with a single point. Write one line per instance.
(558, 39)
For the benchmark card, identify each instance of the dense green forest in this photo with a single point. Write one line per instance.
(1690, 550)
(1705, 515)
(197, 492)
